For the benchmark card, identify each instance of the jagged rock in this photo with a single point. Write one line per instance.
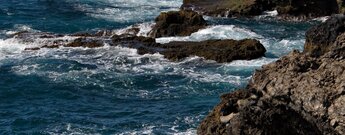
(320, 39)
(285, 8)
(298, 94)
(177, 23)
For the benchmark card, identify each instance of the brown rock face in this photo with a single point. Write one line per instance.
(298, 94)
(320, 39)
(177, 23)
(285, 8)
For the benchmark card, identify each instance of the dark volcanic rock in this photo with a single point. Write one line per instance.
(298, 94)
(177, 23)
(218, 50)
(297, 8)
(320, 39)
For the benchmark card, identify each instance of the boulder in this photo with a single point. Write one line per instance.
(298, 94)
(177, 23)
(286, 8)
(320, 39)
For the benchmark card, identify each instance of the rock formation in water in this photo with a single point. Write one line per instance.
(218, 50)
(300, 93)
(302, 9)
(177, 23)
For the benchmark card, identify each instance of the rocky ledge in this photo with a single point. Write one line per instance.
(302, 9)
(300, 93)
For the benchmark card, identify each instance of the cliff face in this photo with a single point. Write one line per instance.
(299, 94)
(320, 39)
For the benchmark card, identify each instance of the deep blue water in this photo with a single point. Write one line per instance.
(113, 90)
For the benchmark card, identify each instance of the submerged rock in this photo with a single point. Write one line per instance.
(177, 23)
(295, 8)
(298, 94)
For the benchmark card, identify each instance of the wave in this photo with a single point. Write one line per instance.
(127, 10)
(322, 19)
(251, 63)
(215, 32)
(268, 14)
(143, 29)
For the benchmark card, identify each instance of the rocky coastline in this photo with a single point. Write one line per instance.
(287, 9)
(301, 93)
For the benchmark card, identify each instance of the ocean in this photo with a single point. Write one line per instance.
(113, 90)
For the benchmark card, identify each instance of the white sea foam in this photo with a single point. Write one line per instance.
(147, 130)
(70, 129)
(190, 131)
(322, 19)
(283, 46)
(250, 63)
(128, 10)
(20, 28)
(266, 14)
(10, 46)
(215, 32)
(144, 29)
(118, 61)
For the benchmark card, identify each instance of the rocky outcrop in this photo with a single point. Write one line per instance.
(298, 94)
(218, 50)
(320, 39)
(295, 8)
(177, 23)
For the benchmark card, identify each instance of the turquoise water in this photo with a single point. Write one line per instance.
(113, 90)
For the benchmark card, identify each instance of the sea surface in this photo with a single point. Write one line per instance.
(113, 90)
